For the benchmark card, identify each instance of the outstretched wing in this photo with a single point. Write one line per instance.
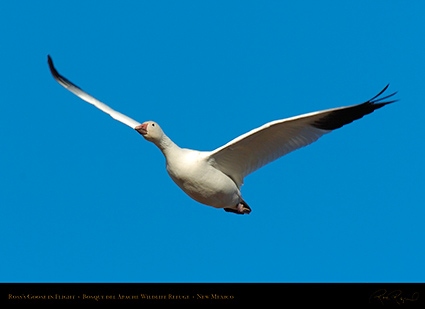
(88, 98)
(250, 151)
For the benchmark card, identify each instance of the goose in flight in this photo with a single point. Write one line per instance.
(214, 178)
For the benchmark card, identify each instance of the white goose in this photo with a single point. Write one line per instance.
(215, 178)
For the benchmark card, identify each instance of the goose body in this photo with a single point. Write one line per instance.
(214, 178)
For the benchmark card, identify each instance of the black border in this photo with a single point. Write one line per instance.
(276, 294)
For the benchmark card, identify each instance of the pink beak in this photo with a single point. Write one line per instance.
(142, 129)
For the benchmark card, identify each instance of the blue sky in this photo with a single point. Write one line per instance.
(86, 199)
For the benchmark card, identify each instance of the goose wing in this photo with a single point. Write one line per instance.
(250, 151)
(88, 98)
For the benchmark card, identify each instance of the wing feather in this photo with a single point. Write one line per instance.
(250, 151)
(88, 98)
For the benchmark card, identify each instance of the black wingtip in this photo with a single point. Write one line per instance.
(381, 92)
(376, 98)
(52, 67)
(59, 78)
(341, 117)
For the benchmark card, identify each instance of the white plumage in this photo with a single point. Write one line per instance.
(215, 178)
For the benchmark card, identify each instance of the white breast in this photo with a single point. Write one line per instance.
(191, 171)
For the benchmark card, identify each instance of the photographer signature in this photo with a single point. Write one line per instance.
(385, 297)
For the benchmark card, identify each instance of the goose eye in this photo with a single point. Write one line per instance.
(153, 124)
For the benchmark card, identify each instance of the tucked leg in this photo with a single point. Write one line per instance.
(241, 209)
